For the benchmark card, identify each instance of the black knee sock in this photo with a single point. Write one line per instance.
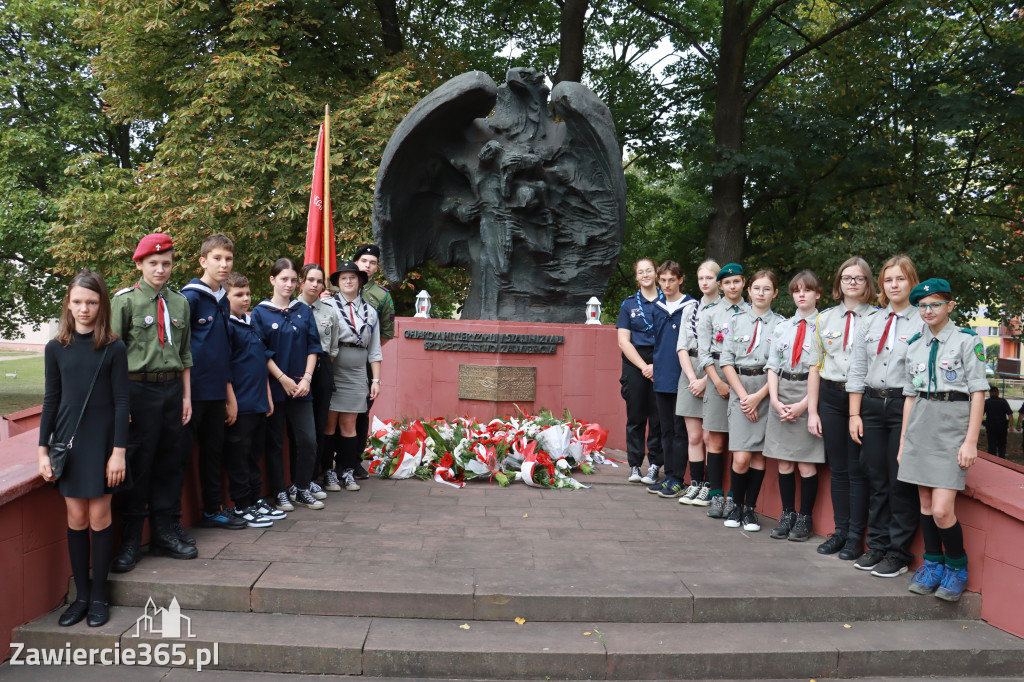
(787, 491)
(754, 480)
(78, 550)
(808, 494)
(102, 549)
(714, 471)
(953, 543)
(349, 452)
(739, 486)
(697, 470)
(338, 450)
(932, 539)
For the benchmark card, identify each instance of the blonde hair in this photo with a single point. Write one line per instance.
(906, 266)
(711, 266)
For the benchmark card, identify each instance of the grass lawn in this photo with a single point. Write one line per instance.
(24, 391)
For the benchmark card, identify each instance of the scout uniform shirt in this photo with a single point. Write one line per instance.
(879, 354)
(358, 326)
(135, 318)
(380, 299)
(750, 339)
(951, 362)
(637, 315)
(325, 317)
(208, 325)
(715, 324)
(838, 328)
(290, 338)
(780, 358)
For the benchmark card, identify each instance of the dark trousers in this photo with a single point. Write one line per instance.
(849, 484)
(321, 388)
(299, 414)
(362, 428)
(674, 441)
(641, 412)
(154, 450)
(207, 427)
(997, 440)
(893, 507)
(243, 448)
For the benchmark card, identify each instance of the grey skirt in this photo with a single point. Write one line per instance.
(745, 435)
(935, 432)
(716, 408)
(687, 404)
(351, 387)
(791, 441)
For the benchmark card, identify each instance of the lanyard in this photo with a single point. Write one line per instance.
(351, 320)
(640, 307)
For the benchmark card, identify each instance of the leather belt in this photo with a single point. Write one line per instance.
(716, 355)
(883, 393)
(750, 371)
(153, 377)
(837, 385)
(794, 376)
(692, 352)
(946, 397)
(349, 344)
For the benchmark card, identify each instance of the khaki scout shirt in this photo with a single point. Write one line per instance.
(741, 338)
(133, 317)
(379, 297)
(959, 362)
(325, 318)
(885, 369)
(834, 360)
(780, 358)
(712, 328)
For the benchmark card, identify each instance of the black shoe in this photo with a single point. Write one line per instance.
(165, 542)
(869, 560)
(835, 542)
(99, 614)
(890, 567)
(73, 614)
(781, 531)
(182, 534)
(126, 558)
(221, 519)
(360, 473)
(802, 529)
(852, 549)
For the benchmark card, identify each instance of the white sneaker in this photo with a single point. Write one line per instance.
(282, 503)
(267, 508)
(634, 475)
(349, 479)
(331, 481)
(317, 491)
(652, 475)
(691, 493)
(252, 518)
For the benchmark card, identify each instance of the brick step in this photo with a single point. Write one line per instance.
(390, 589)
(443, 649)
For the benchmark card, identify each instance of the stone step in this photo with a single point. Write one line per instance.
(444, 649)
(390, 589)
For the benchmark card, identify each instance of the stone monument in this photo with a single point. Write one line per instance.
(530, 198)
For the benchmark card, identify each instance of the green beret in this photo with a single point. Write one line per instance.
(927, 288)
(729, 270)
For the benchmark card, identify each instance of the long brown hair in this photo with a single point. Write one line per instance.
(869, 280)
(102, 332)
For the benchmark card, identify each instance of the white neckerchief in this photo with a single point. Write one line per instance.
(758, 329)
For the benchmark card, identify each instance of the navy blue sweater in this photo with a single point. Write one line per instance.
(666, 336)
(248, 367)
(290, 336)
(211, 350)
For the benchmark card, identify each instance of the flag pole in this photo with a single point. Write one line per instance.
(327, 188)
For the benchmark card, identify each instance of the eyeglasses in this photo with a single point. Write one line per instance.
(848, 279)
(645, 272)
(934, 307)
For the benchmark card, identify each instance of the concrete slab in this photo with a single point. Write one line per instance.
(213, 584)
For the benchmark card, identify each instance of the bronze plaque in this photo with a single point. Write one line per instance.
(497, 384)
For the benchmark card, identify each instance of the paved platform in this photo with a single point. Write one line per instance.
(411, 579)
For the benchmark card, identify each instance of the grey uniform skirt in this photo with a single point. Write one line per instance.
(716, 408)
(745, 435)
(687, 404)
(935, 432)
(350, 389)
(792, 441)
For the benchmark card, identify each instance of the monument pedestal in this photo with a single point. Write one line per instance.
(482, 369)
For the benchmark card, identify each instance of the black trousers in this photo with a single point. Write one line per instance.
(893, 507)
(641, 412)
(299, 414)
(321, 388)
(674, 440)
(153, 455)
(207, 427)
(997, 440)
(243, 449)
(849, 484)
(362, 428)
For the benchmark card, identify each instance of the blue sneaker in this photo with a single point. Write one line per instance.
(655, 488)
(928, 577)
(222, 519)
(672, 488)
(954, 580)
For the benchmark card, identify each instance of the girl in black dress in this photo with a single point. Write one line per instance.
(95, 463)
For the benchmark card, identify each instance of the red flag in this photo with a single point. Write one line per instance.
(320, 225)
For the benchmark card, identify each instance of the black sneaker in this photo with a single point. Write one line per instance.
(306, 499)
(750, 522)
(852, 549)
(890, 567)
(652, 475)
(781, 531)
(252, 518)
(655, 488)
(267, 508)
(222, 519)
(802, 529)
(735, 518)
(672, 488)
(835, 542)
(360, 473)
(869, 559)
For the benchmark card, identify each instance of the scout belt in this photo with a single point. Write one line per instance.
(692, 352)
(946, 397)
(794, 376)
(153, 377)
(837, 385)
(751, 371)
(716, 355)
(349, 344)
(883, 393)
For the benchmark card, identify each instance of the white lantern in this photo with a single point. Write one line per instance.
(422, 304)
(593, 311)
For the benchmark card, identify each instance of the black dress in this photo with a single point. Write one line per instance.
(69, 371)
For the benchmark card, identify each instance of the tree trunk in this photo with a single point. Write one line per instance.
(727, 231)
(121, 144)
(572, 37)
(390, 30)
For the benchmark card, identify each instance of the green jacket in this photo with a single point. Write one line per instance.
(379, 297)
(134, 318)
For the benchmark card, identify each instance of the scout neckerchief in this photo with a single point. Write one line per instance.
(798, 342)
(756, 341)
(932, 355)
(640, 307)
(163, 317)
(885, 334)
(351, 319)
(849, 327)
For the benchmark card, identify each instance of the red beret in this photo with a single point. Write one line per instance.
(153, 243)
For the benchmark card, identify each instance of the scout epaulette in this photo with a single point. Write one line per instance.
(913, 338)
(123, 291)
(968, 330)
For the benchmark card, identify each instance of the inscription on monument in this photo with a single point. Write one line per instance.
(497, 384)
(486, 343)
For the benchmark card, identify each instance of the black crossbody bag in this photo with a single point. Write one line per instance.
(59, 451)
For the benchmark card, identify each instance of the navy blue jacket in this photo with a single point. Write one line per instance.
(638, 318)
(289, 335)
(248, 367)
(211, 350)
(666, 336)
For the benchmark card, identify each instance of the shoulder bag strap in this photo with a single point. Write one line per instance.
(87, 396)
